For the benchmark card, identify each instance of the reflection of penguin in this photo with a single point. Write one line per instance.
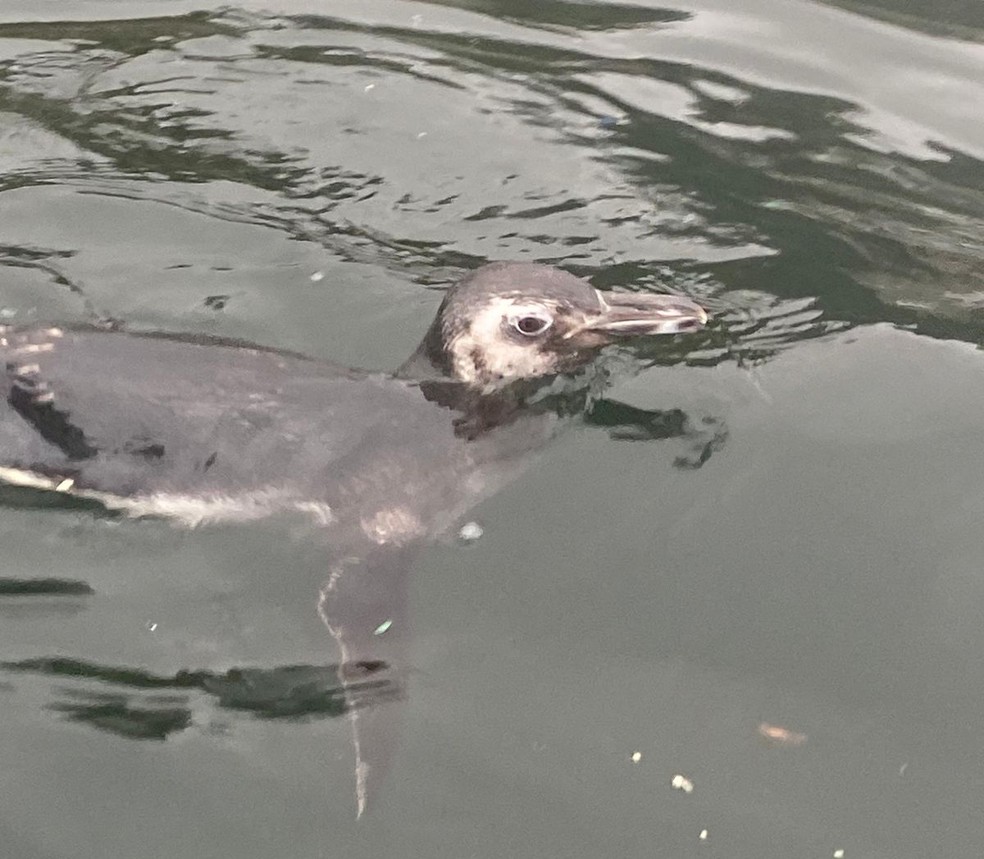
(205, 430)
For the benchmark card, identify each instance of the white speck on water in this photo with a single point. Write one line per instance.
(317, 276)
(636, 757)
(903, 768)
(369, 87)
(386, 624)
(421, 135)
(681, 782)
(838, 854)
(8, 312)
(470, 532)
(152, 625)
(703, 835)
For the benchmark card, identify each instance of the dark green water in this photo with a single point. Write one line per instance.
(307, 175)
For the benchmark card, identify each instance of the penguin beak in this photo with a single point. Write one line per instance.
(632, 314)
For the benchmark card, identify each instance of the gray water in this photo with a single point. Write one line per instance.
(309, 175)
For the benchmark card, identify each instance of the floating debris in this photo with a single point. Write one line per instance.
(781, 736)
(470, 532)
(703, 835)
(681, 782)
(838, 854)
(385, 625)
(317, 276)
(636, 757)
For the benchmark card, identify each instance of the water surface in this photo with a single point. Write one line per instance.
(309, 175)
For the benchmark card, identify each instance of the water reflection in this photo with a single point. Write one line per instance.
(43, 587)
(954, 19)
(133, 707)
(629, 423)
(679, 162)
(567, 16)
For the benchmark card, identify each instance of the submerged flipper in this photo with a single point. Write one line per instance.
(364, 606)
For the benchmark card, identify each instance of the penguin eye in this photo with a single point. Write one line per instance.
(531, 325)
